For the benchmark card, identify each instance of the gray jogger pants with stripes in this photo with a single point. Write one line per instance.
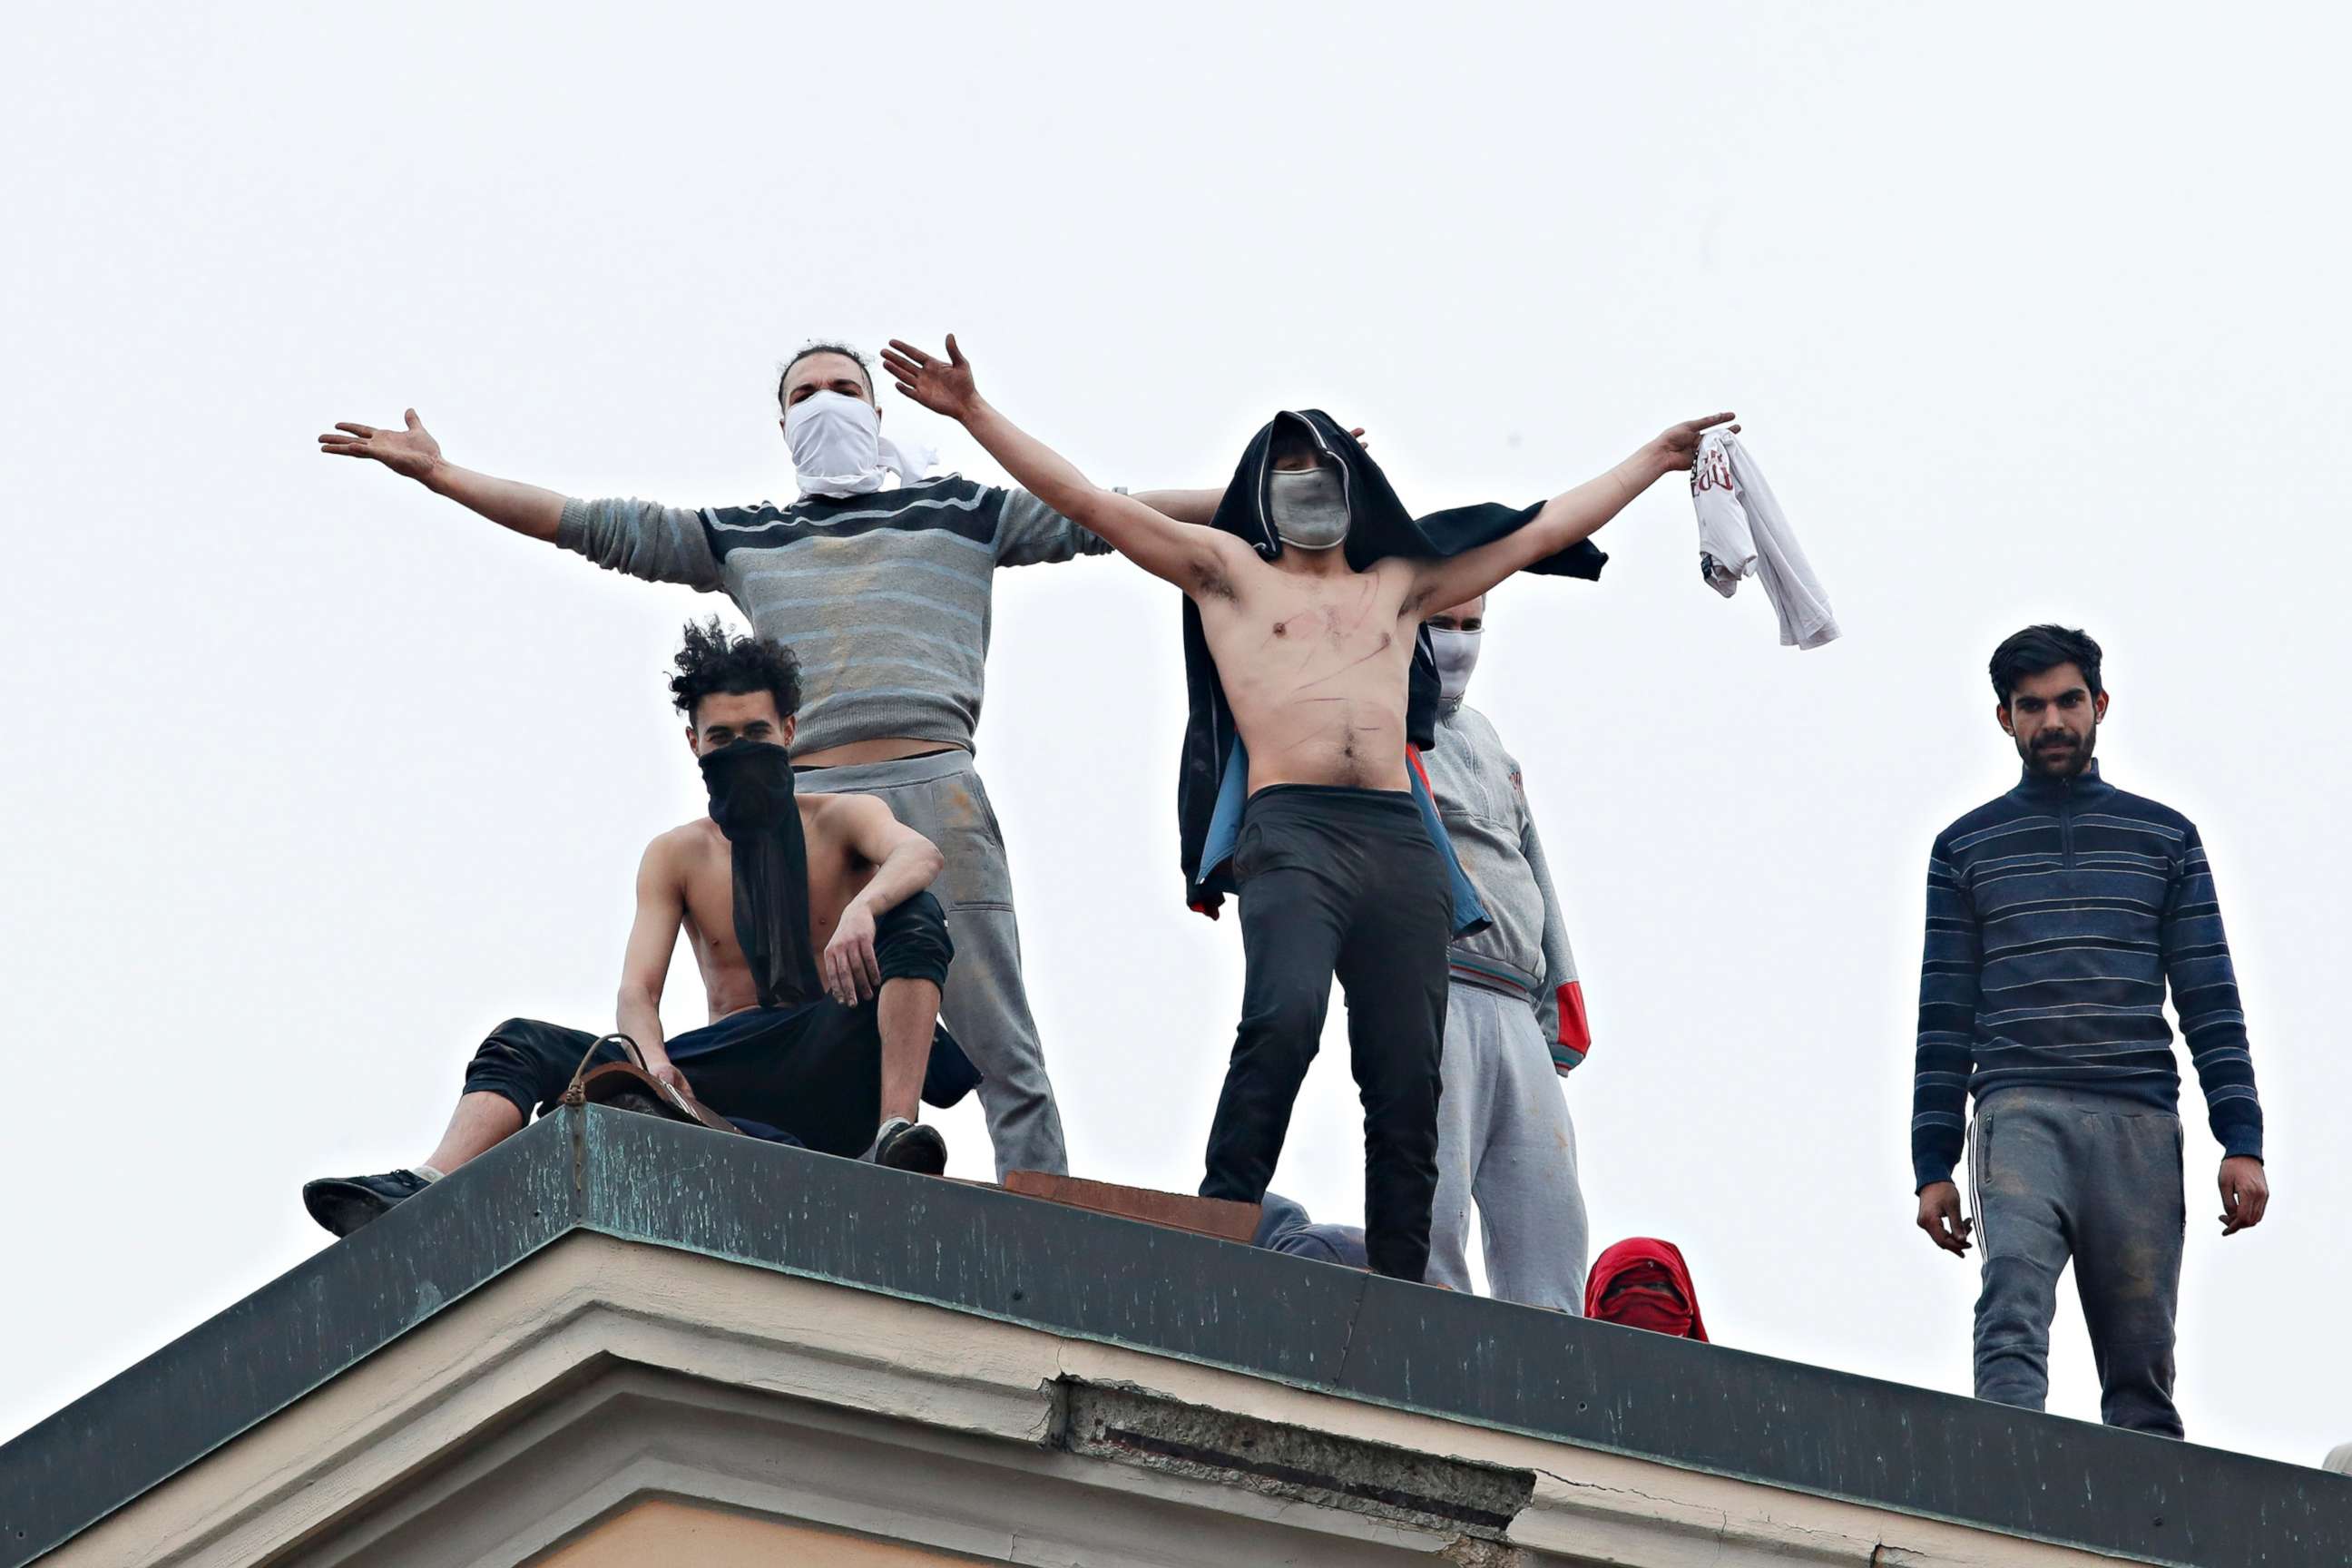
(984, 1004)
(1505, 1141)
(2066, 1175)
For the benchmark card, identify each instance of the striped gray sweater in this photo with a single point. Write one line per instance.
(2056, 916)
(885, 597)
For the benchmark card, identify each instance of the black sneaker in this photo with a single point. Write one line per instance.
(343, 1204)
(906, 1145)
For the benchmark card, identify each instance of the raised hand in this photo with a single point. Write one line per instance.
(412, 452)
(943, 387)
(1677, 445)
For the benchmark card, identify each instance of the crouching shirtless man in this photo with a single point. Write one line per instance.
(820, 950)
(1337, 873)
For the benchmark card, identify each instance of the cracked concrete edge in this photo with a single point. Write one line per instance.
(1439, 1494)
(1591, 1501)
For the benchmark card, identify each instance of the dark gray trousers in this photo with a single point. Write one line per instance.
(2065, 1174)
(1337, 880)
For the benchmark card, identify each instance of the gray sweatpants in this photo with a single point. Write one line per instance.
(984, 1003)
(1505, 1141)
(2066, 1174)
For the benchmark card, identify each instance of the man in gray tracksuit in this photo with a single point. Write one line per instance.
(1514, 1018)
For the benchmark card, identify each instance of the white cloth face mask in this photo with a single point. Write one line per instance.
(1309, 507)
(837, 442)
(1457, 655)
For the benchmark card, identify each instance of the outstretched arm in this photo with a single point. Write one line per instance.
(905, 862)
(1183, 554)
(653, 936)
(414, 453)
(1567, 519)
(645, 538)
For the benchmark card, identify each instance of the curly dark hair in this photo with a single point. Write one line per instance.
(2043, 647)
(714, 660)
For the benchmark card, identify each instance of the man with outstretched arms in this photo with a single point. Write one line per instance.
(822, 957)
(2058, 915)
(1514, 1020)
(885, 594)
(1337, 873)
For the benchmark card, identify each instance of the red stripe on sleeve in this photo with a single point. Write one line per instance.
(1575, 1028)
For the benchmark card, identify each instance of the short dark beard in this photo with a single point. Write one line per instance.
(2076, 761)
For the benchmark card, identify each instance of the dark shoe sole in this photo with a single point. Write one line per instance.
(342, 1206)
(919, 1149)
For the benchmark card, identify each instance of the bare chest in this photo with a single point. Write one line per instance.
(1287, 633)
(836, 875)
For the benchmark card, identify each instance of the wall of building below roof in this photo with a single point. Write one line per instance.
(600, 1373)
(661, 1532)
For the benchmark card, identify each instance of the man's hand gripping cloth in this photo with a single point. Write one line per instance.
(1213, 773)
(1742, 532)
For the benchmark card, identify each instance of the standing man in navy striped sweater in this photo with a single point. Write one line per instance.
(2056, 916)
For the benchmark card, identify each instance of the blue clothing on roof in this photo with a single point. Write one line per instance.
(1232, 794)
(1283, 1227)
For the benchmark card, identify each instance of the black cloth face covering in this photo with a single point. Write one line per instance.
(751, 799)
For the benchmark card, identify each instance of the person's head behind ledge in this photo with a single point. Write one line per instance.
(1643, 1283)
(2052, 697)
(735, 689)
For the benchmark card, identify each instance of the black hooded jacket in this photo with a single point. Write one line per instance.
(1379, 526)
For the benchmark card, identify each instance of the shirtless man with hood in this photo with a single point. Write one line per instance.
(1337, 871)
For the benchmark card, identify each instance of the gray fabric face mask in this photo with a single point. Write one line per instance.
(1309, 507)
(1456, 653)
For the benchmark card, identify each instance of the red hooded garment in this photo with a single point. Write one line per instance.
(1639, 1308)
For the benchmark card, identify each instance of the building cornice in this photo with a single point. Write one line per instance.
(1095, 1284)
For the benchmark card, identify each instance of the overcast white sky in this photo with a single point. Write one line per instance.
(312, 777)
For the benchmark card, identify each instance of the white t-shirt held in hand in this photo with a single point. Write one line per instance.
(1742, 532)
